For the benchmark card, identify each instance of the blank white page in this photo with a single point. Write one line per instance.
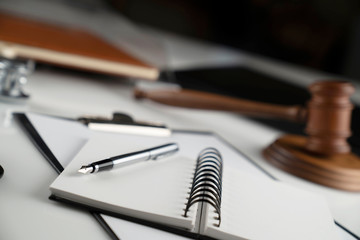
(260, 209)
(151, 190)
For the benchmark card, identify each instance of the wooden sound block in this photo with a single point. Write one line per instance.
(341, 171)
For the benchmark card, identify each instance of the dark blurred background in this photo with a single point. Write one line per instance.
(320, 34)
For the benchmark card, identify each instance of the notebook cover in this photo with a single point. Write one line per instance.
(66, 46)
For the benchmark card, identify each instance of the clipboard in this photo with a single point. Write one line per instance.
(50, 157)
(54, 162)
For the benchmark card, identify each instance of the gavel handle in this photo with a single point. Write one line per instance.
(210, 101)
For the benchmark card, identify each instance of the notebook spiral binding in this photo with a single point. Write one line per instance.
(207, 181)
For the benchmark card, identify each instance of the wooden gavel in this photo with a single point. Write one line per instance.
(327, 115)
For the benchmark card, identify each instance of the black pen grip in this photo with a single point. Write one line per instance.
(102, 165)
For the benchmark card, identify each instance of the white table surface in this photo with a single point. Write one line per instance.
(26, 212)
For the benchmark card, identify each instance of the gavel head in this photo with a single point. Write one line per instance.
(329, 117)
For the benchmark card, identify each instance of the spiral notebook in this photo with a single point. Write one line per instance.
(193, 193)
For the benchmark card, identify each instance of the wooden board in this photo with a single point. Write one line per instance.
(66, 46)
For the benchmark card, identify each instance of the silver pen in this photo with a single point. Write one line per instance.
(130, 158)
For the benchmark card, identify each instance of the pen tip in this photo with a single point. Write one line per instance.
(85, 169)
